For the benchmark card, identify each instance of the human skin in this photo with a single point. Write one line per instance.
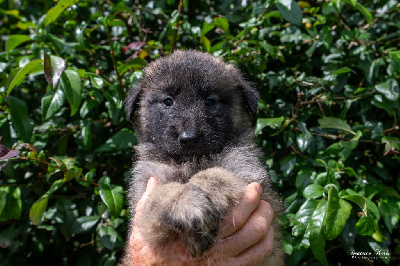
(245, 236)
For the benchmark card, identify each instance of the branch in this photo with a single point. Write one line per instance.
(175, 37)
(112, 49)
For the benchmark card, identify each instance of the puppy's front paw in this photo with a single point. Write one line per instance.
(194, 217)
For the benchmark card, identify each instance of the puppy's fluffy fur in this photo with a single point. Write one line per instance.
(195, 136)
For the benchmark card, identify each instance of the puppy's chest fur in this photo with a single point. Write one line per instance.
(243, 160)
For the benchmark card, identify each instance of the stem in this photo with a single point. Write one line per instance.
(112, 49)
(173, 44)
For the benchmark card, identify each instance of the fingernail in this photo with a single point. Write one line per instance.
(259, 189)
(150, 183)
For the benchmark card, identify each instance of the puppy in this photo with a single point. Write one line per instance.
(193, 117)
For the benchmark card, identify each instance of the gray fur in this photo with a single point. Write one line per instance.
(201, 177)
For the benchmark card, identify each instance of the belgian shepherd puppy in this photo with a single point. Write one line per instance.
(193, 117)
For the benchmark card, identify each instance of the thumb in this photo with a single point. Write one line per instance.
(151, 186)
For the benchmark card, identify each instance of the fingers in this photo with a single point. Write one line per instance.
(259, 252)
(240, 213)
(151, 186)
(256, 229)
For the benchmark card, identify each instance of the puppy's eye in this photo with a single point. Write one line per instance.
(168, 101)
(210, 102)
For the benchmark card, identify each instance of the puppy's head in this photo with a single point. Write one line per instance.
(191, 104)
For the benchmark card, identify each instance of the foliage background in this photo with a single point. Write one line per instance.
(328, 72)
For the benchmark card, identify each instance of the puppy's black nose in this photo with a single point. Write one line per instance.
(190, 138)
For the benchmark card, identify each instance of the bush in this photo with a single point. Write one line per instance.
(328, 73)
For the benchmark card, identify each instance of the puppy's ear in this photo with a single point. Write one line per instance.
(131, 102)
(251, 95)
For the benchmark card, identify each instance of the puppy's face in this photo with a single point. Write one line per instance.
(191, 105)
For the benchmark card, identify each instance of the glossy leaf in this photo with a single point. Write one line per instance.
(313, 191)
(21, 74)
(336, 214)
(389, 88)
(336, 123)
(109, 237)
(37, 210)
(72, 85)
(56, 11)
(11, 205)
(290, 11)
(16, 40)
(222, 23)
(21, 120)
(111, 195)
(84, 223)
(52, 103)
(270, 122)
(122, 140)
(317, 233)
(53, 68)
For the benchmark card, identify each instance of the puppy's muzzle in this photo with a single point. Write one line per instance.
(189, 138)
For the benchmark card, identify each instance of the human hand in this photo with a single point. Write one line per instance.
(245, 236)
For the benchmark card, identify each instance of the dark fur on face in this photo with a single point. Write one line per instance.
(182, 99)
(194, 129)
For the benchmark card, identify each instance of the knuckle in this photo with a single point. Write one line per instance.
(260, 226)
(267, 208)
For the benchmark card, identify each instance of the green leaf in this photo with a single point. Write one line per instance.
(373, 69)
(110, 238)
(367, 15)
(342, 148)
(84, 224)
(132, 65)
(22, 123)
(290, 11)
(38, 208)
(54, 66)
(392, 144)
(336, 123)
(342, 70)
(205, 42)
(336, 214)
(368, 207)
(223, 23)
(206, 28)
(365, 226)
(112, 196)
(65, 215)
(72, 84)
(52, 103)
(389, 88)
(56, 11)
(11, 203)
(275, 122)
(123, 140)
(363, 10)
(313, 191)
(390, 212)
(306, 210)
(317, 233)
(303, 178)
(20, 75)
(287, 164)
(15, 40)
(305, 139)
(381, 102)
